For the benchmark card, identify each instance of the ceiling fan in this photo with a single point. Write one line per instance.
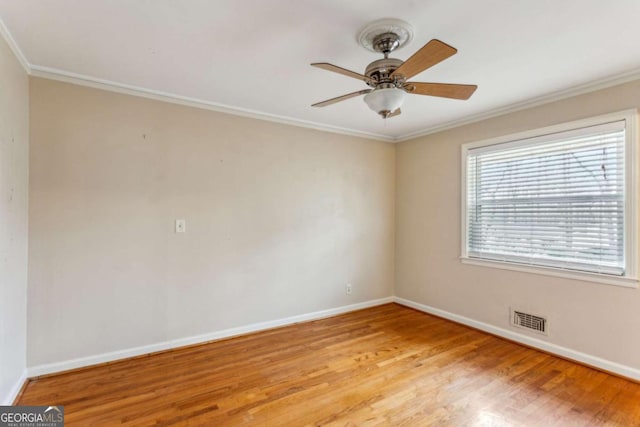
(387, 77)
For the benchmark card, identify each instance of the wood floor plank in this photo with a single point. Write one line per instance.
(383, 366)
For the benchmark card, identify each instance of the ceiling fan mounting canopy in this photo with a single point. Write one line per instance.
(386, 43)
(387, 77)
(371, 34)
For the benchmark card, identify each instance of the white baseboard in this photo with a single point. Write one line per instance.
(587, 359)
(596, 362)
(17, 386)
(81, 362)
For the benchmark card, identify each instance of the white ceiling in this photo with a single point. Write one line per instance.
(255, 54)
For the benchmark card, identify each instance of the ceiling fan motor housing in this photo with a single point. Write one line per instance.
(380, 72)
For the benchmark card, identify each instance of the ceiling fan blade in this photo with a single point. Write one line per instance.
(442, 90)
(429, 55)
(395, 113)
(340, 70)
(341, 98)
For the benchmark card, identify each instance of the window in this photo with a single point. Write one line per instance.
(560, 199)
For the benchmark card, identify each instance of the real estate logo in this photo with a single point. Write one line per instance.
(31, 416)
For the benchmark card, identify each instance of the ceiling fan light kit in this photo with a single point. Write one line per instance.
(388, 76)
(385, 101)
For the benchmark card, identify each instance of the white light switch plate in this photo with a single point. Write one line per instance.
(181, 225)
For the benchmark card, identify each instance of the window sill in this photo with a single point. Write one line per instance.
(626, 282)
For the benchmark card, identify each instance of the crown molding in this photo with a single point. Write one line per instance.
(592, 86)
(6, 35)
(84, 80)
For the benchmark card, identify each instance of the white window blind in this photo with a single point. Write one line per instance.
(555, 200)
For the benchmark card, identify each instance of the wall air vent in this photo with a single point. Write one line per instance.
(529, 321)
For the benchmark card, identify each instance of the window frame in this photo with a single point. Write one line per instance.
(629, 279)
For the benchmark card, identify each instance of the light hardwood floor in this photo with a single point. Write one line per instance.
(383, 366)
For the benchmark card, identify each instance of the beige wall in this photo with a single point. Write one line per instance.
(279, 219)
(14, 186)
(600, 320)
